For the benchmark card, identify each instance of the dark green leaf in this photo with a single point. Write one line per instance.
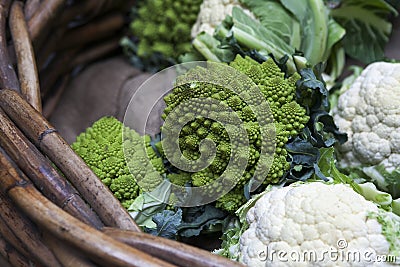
(167, 223)
(311, 92)
(324, 130)
(394, 3)
(198, 219)
(304, 157)
(320, 130)
(302, 152)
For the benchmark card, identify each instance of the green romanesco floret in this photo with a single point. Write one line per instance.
(203, 177)
(231, 200)
(125, 189)
(164, 26)
(180, 179)
(120, 157)
(217, 124)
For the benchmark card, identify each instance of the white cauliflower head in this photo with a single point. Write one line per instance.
(369, 112)
(311, 224)
(212, 13)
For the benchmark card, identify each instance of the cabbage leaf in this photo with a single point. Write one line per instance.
(367, 26)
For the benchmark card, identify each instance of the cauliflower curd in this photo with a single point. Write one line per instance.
(369, 112)
(212, 13)
(314, 218)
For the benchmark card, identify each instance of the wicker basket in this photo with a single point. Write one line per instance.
(47, 219)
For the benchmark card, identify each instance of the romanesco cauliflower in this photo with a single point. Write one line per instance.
(289, 119)
(117, 155)
(163, 26)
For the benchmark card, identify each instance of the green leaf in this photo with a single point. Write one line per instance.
(304, 157)
(396, 206)
(344, 85)
(207, 46)
(321, 130)
(311, 91)
(198, 219)
(328, 167)
(371, 193)
(336, 62)
(191, 56)
(327, 155)
(385, 180)
(313, 18)
(230, 42)
(147, 204)
(324, 130)
(335, 34)
(167, 223)
(368, 190)
(253, 35)
(282, 23)
(367, 27)
(302, 152)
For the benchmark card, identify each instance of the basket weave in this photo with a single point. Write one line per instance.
(47, 219)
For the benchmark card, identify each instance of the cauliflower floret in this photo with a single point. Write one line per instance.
(212, 13)
(301, 223)
(369, 112)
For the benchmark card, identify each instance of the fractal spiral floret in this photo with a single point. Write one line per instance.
(218, 124)
(121, 158)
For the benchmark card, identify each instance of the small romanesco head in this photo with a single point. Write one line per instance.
(120, 157)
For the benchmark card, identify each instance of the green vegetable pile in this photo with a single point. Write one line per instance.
(283, 137)
(256, 121)
(162, 31)
(320, 30)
